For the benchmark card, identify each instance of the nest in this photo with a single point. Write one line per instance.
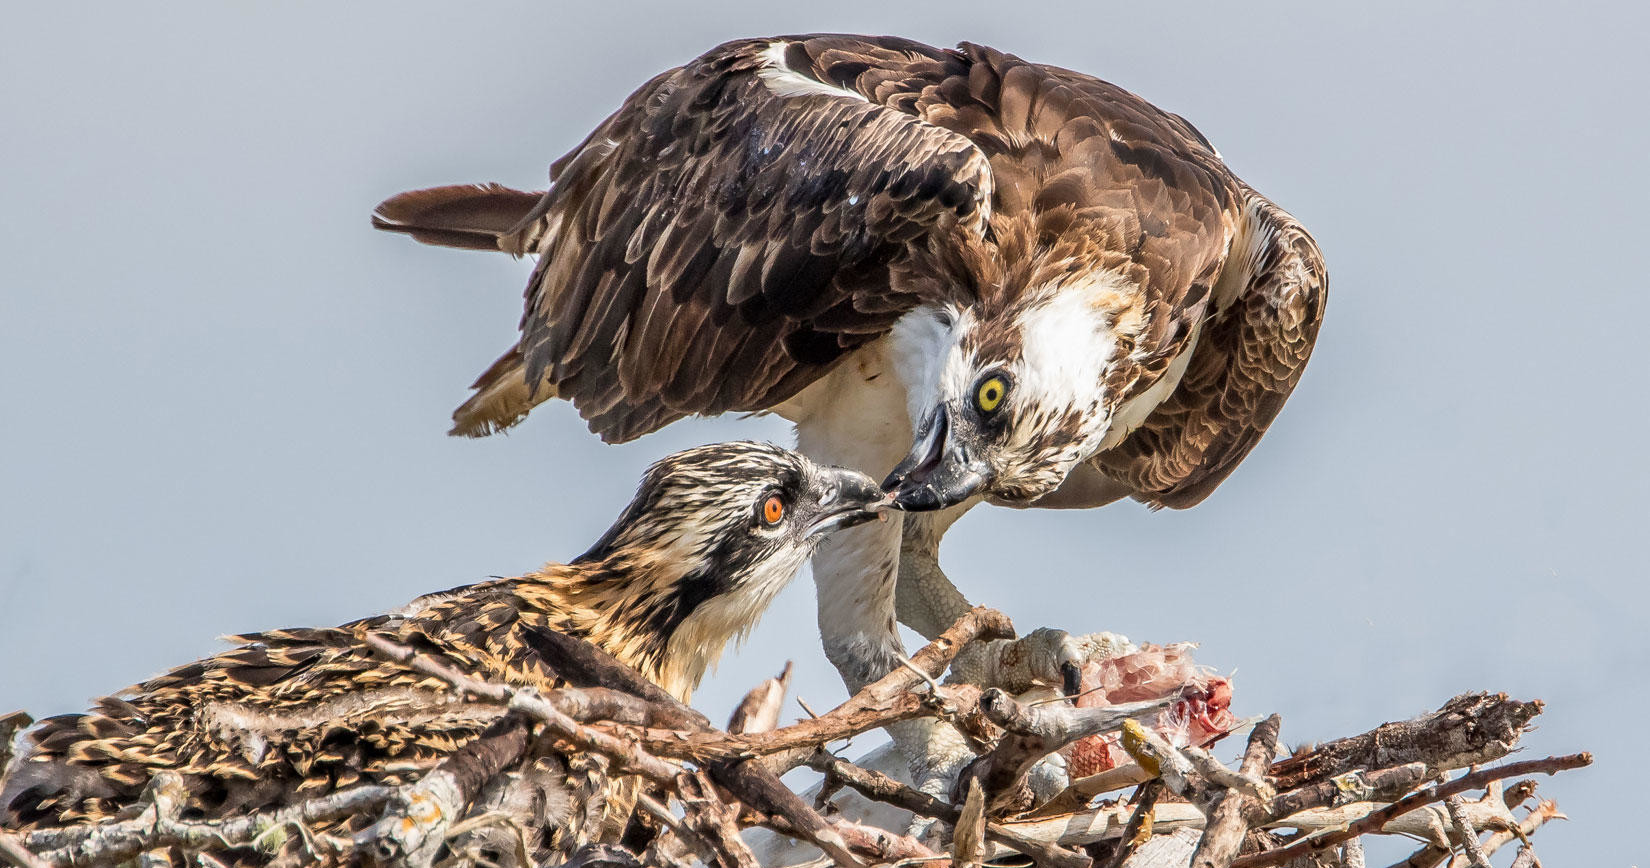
(1145, 793)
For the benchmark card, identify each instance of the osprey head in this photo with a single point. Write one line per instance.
(1005, 403)
(712, 535)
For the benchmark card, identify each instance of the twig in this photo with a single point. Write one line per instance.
(1374, 821)
(1228, 822)
(1473, 728)
(420, 816)
(879, 787)
(1083, 790)
(751, 781)
(14, 853)
(890, 699)
(1435, 854)
(759, 710)
(1464, 831)
(715, 821)
(1525, 858)
(1140, 823)
(602, 856)
(675, 826)
(882, 845)
(627, 757)
(153, 828)
(968, 835)
(1352, 853)
(1161, 759)
(1033, 732)
(1382, 785)
(1539, 815)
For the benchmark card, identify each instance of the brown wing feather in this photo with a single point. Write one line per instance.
(711, 241)
(1252, 352)
(1147, 195)
(699, 253)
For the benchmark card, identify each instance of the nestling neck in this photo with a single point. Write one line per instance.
(663, 618)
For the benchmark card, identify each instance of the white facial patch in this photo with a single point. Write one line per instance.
(1068, 343)
(927, 351)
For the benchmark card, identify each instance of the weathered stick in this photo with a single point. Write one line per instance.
(1228, 824)
(759, 710)
(1377, 819)
(1539, 815)
(628, 758)
(1156, 755)
(1437, 853)
(1470, 729)
(420, 815)
(1464, 831)
(750, 782)
(1140, 823)
(878, 786)
(890, 699)
(716, 822)
(882, 845)
(157, 826)
(758, 786)
(1032, 732)
(14, 853)
(1383, 785)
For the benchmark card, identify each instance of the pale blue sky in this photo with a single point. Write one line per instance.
(223, 396)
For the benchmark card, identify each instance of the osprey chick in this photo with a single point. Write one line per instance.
(1004, 280)
(711, 535)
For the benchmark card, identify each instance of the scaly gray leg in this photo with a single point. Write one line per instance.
(928, 602)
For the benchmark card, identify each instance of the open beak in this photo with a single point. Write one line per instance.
(940, 471)
(850, 498)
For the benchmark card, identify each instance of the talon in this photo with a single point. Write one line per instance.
(1071, 678)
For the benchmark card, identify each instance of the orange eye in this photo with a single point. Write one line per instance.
(773, 509)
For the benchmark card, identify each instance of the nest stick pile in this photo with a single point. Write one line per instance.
(1435, 779)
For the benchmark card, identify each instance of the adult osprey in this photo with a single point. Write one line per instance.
(1036, 287)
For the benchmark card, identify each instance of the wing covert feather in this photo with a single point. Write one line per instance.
(724, 238)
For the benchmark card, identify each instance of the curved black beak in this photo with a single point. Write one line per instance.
(847, 498)
(940, 470)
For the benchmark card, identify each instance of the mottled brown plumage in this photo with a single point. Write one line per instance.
(866, 235)
(731, 233)
(288, 714)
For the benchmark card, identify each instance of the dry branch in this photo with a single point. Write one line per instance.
(759, 710)
(1375, 820)
(1031, 733)
(14, 853)
(1228, 822)
(708, 783)
(157, 825)
(1471, 729)
(880, 787)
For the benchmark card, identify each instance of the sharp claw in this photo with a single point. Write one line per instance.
(1071, 678)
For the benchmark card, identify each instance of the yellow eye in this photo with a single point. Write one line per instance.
(989, 395)
(773, 509)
